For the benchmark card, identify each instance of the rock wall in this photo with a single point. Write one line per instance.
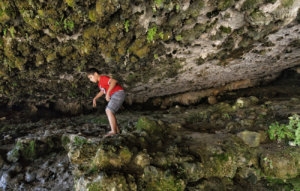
(154, 48)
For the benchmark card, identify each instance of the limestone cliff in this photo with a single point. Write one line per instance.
(162, 51)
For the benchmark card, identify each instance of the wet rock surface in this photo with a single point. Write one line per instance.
(220, 146)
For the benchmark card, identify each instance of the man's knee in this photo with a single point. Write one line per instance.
(108, 111)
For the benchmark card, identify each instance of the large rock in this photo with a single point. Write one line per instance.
(281, 163)
(176, 52)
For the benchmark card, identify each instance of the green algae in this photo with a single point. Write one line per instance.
(92, 15)
(195, 8)
(105, 183)
(225, 4)
(109, 156)
(155, 179)
(79, 141)
(29, 150)
(25, 150)
(140, 48)
(148, 125)
(226, 30)
(71, 3)
(251, 4)
(169, 183)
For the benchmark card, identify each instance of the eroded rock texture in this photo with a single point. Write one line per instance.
(185, 50)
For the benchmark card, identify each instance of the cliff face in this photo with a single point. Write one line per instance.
(162, 51)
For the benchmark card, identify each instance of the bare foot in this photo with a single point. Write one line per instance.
(110, 133)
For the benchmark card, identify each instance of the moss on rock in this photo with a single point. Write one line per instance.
(112, 157)
(148, 125)
(281, 164)
(105, 183)
(140, 48)
(225, 4)
(251, 4)
(5, 12)
(154, 179)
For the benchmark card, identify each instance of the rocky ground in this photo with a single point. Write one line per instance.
(154, 48)
(220, 146)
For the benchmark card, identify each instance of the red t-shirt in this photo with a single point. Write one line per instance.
(103, 85)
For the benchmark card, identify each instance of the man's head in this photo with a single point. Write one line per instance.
(93, 75)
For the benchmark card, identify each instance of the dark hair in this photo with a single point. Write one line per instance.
(91, 71)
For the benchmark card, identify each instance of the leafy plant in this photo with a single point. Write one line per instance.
(151, 34)
(290, 132)
(126, 25)
(68, 25)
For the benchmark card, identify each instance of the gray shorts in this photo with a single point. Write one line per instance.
(116, 101)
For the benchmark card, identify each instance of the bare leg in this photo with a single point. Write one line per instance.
(112, 122)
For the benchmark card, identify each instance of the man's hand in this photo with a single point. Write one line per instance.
(96, 97)
(107, 97)
(94, 102)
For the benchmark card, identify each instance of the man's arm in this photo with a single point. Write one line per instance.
(112, 84)
(96, 97)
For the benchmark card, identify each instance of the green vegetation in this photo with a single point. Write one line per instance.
(169, 183)
(29, 150)
(224, 29)
(225, 4)
(251, 4)
(177, 7)
(148, 125)
(68, 25)
(289, 132)
(126, 26)
(71, 3)
(178, 38)
(158, 2)
(161, 35)
(79, 141)
(151, 34)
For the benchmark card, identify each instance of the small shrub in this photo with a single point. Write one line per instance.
(289, 132)
(151, 34)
